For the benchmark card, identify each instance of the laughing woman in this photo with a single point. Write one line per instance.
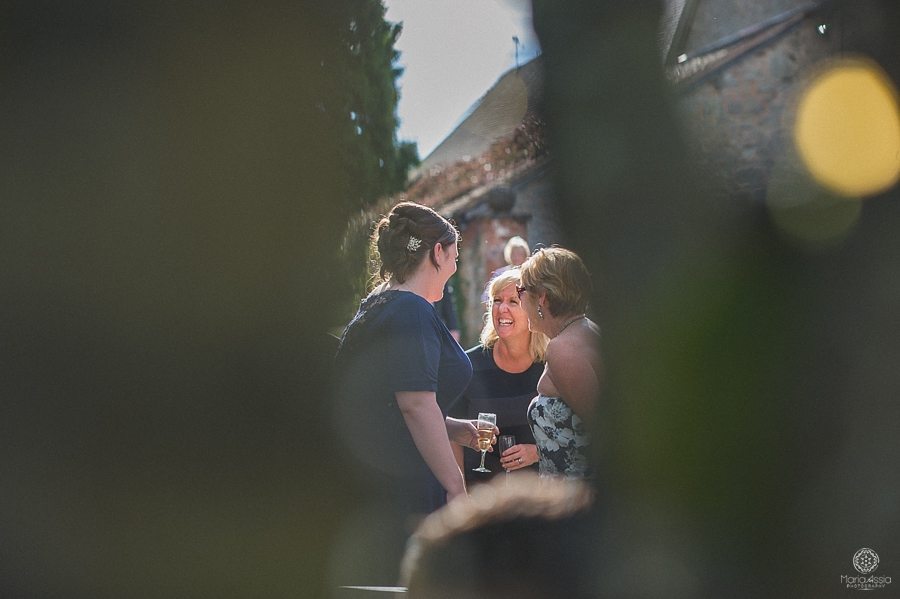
(555, 288)
(507, 365)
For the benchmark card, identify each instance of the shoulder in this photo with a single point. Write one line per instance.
(406, 306)
(392, 315)
(574, 361)
(478, 350)
(406, 299)
(571, 352)
(480, 356)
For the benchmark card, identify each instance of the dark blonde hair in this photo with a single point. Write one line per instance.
(537, 346)
(561, 274)
(392, 253)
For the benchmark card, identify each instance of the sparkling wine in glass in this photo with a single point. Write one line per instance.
(485, 425)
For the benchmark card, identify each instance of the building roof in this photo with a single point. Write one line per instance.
(502, 136)
(495, 115)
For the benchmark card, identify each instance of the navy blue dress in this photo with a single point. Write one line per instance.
(505, 394)
(396, 342)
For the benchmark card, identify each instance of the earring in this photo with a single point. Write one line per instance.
(540, 313)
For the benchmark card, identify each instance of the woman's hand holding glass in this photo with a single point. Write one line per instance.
(486, 425)
(465, 433)
(518, 456)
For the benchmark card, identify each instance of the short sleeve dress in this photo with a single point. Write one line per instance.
(396, 342)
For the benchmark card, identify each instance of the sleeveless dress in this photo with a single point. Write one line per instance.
(561, 438)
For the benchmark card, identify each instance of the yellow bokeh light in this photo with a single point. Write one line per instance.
(847, 129)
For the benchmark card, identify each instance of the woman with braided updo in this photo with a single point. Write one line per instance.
(399, 367)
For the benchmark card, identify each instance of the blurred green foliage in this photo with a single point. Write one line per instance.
(373, 161)
(173, 196)
(376, 164)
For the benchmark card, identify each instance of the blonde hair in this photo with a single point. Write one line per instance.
(562, 275)
(537, 346)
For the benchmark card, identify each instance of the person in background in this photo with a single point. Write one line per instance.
(398, 369)
(446, 309)
(507, 365)
(555, 288)
(524, 538)
(515, 252)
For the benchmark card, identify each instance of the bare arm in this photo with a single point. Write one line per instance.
(458, 454)
(429, 432)
(459, 437)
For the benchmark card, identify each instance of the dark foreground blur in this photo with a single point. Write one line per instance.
(749, 426)
(168, 267)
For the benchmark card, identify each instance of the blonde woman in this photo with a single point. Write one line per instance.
(506, 367)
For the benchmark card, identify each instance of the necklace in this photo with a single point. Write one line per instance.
(576, 319)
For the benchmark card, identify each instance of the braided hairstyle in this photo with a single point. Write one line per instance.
(392, 251)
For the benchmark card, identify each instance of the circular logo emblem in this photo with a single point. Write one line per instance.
(865, 560)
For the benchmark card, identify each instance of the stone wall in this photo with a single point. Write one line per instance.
(536, 198)
(737, 120)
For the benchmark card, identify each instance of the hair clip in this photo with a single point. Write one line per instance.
(413, 244)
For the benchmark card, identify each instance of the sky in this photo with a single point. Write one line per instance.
(453, 51)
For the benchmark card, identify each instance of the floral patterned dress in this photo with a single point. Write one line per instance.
(562, 440)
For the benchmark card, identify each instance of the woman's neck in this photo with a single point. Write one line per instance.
(558, 325)
(419, 284)
(513, 355)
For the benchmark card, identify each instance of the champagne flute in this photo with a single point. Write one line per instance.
(485, 425)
